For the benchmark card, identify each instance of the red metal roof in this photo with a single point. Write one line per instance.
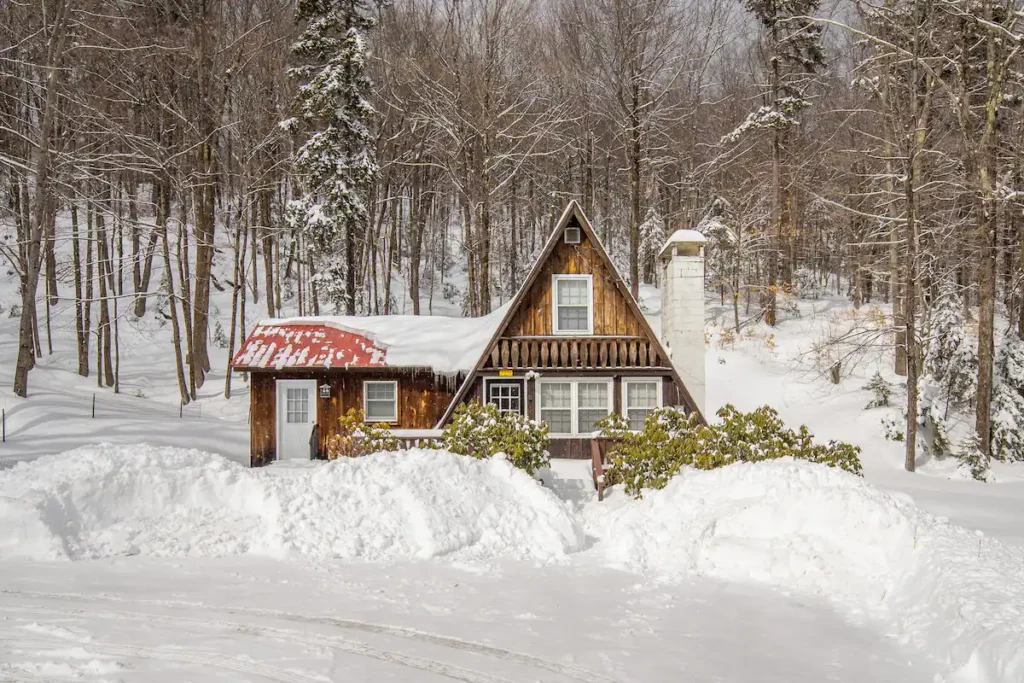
(306, 345)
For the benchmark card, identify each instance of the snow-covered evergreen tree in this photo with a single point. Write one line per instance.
(1008, 401)
(652, 239)
(968, 452)
(951, 359)
(336, 160)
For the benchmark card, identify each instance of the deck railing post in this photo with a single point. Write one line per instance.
(597, 466)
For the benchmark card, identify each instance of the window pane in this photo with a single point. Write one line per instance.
(637, 416)
(380, 390)
(559, 421)
(641, 394)
(572, 318)
(593, 395)
(555, 395)
(573, 292)
(380, 410)
(588, 417)
(296, 405)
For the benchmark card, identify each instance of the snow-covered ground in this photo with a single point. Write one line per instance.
(154, 563)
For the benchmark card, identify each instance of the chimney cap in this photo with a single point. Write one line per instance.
(683, 237)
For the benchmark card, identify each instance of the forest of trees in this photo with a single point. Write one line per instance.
(364, 154)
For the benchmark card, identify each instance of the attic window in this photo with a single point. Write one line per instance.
(573, 309)
(572, 235)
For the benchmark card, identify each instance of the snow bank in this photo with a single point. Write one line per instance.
(820, 530)
(103, 501)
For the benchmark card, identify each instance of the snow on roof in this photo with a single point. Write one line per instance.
(683, 236)
(446, 345)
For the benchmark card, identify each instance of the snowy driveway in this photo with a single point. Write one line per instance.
(255, 619)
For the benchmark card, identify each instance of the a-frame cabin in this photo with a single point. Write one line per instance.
(570, 348)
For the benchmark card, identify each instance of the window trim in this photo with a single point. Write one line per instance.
(573, 401)
(626, 381)
(366, 414)
(498, 379)
(555, 279)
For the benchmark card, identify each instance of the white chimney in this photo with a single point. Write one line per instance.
(682, 308)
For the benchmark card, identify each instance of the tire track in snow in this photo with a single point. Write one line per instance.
(449, 642)
(218, 661)
(451, 671)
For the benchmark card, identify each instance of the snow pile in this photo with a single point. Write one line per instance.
(820, 530)
(108, 500)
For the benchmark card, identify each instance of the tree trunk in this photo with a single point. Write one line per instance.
(172, 307)
(41, 170)
(205, 205)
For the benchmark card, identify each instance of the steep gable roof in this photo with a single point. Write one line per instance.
(573, 211)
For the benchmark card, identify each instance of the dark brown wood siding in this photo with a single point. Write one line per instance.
(612, 315)
(422, 400)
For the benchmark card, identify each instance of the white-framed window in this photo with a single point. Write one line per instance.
(571, 407)
(380, 401)
(572, 310)
(506, 394)
(640, 396)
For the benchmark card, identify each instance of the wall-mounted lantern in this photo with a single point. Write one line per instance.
(325, 390)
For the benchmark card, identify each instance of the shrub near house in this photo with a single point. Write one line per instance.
(671, 440)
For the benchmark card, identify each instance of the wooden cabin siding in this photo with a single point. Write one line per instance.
(612, 316)
(422, 400)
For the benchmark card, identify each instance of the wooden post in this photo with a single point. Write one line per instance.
(598, 467)
(94, 406)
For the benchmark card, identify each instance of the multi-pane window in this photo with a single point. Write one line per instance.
(572, 310)
(556, 406)
(572, 407)
(508, 396)
(641, 397)
(380, 401)
(297, 405)
(592, 404)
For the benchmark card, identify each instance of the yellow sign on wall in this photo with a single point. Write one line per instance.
(504, 373)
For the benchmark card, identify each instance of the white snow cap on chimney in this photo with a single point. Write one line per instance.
(682, 307)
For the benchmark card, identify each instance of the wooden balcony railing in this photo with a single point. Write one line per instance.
(551, 353)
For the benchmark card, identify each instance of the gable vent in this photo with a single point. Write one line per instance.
(572, 235)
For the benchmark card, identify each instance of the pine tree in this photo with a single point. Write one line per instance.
(971, 457)
(652, 239)
(1008, 401)
(337, 159)
(951, 360)
(882, 391)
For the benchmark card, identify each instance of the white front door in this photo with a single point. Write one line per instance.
(296, 415)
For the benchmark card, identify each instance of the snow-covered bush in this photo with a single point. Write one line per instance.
(671, 440)
(806, 284)
(356, 437)
(1008, 401)
(882, 391)
(893, 428)
(481, 430)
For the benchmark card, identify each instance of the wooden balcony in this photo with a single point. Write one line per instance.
(557, 353)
